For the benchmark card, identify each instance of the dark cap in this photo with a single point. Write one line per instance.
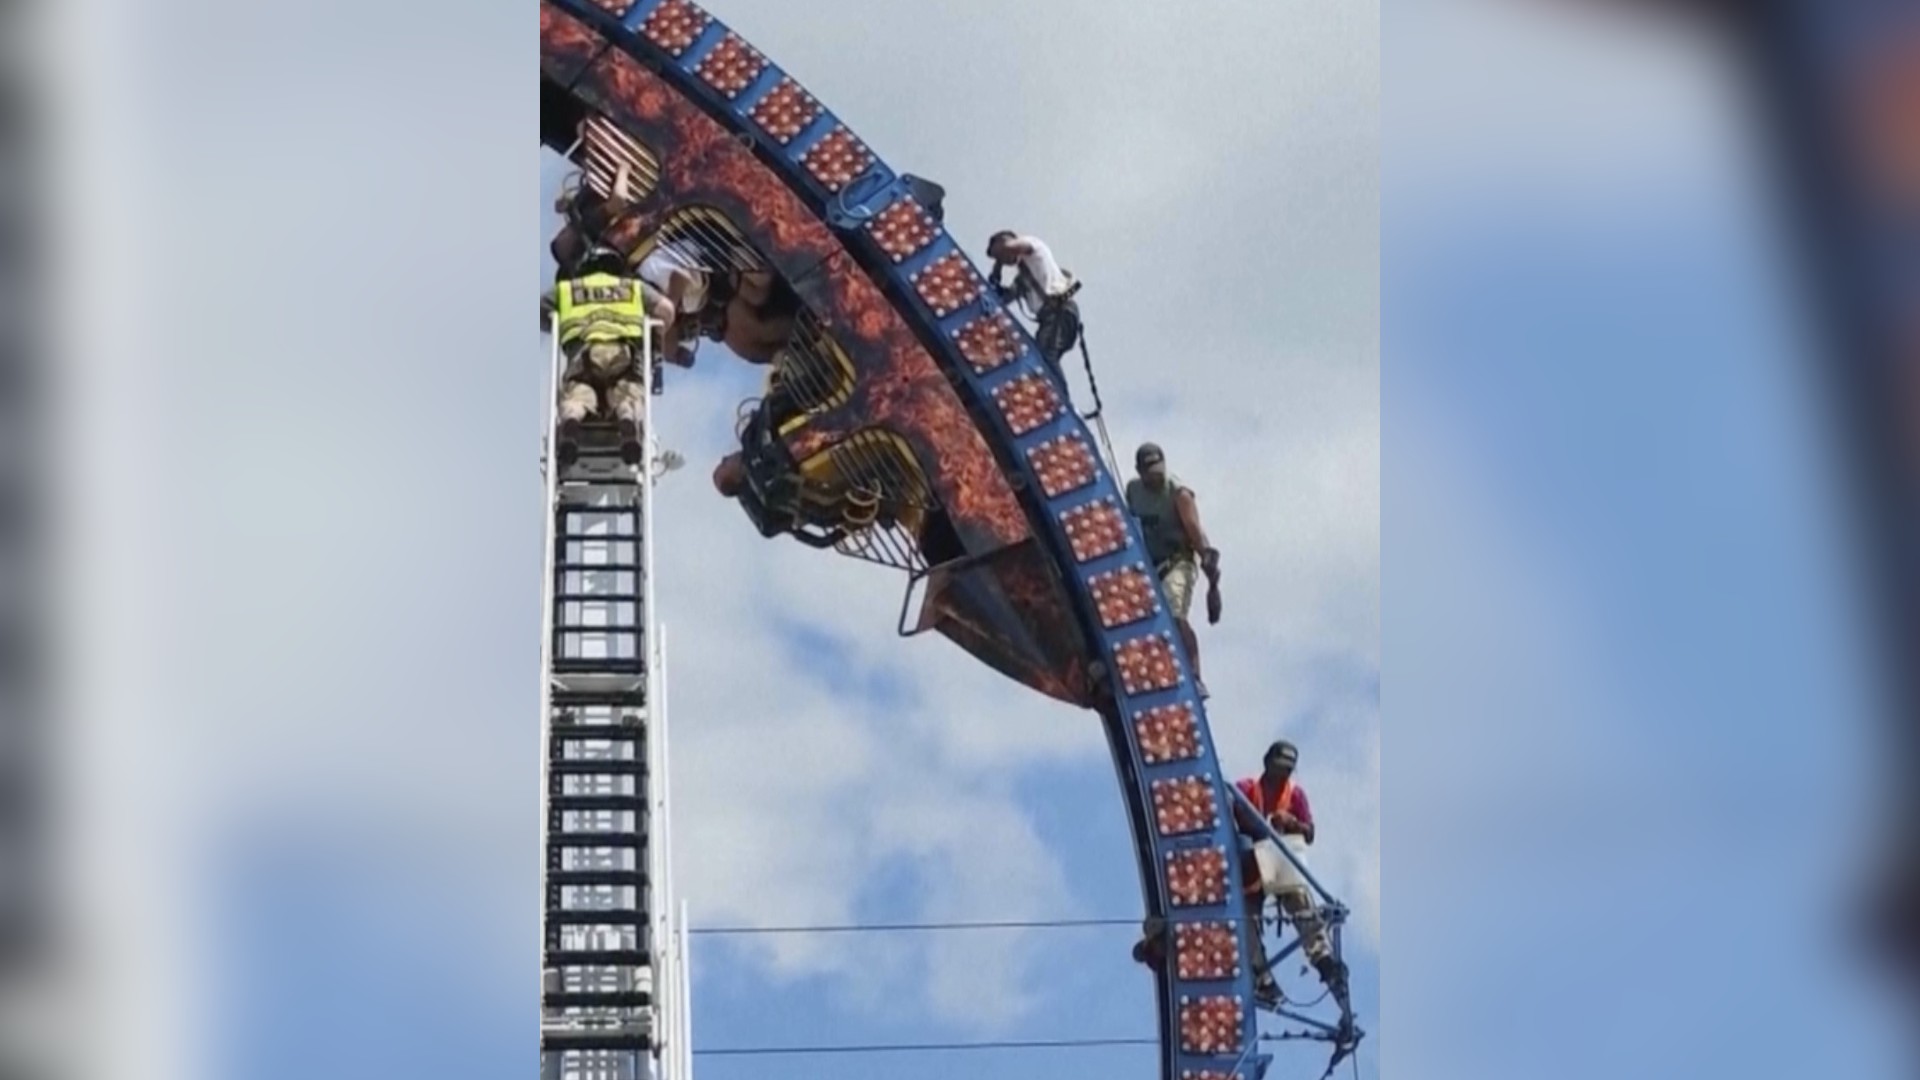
(1284, 751)
(1149, 454)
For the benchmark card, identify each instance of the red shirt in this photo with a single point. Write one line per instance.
(1269, 803)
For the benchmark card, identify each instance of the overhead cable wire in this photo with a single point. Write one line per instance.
(883, 928)
(922, 1048)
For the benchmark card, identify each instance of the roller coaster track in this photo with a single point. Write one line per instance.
(649, 63)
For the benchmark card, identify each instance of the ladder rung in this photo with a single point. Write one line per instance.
(565, 958)
(596, 839)
(626, 666)
(612, 699)
(636, 878)
(588, 732)
(561, 1041)
(597, 802)
(582, 917)
(602, 999)
(585, 767)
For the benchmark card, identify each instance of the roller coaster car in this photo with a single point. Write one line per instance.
(811, 500)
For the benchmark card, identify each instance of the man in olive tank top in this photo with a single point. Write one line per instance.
(1176, 543)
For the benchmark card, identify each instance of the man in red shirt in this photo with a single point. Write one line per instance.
(1284, 804)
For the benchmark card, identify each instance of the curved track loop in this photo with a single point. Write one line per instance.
(924, 332)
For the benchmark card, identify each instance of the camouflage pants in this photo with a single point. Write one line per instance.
(602, 369)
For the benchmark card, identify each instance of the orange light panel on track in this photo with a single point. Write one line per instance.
(837, 159)
(1198, 877)
(1167, 733)
(1184, 806)
(988, 342)
(1064, 464)
(1095, 530)
(1211, 1025)
(732, 66)
(675, 25)
(1123, 596)
(785, 111)
(947, 285)
(903, 229)
(1147, 664)
(1205, 951)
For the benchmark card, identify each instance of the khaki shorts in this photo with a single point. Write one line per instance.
(1178, 578)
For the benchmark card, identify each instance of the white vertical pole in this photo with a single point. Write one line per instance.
(663, 853)
(551, 485)
(685, 993)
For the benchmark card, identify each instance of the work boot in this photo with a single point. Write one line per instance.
(631, 450)
(566, 448)
(1334, 973)
(1151, 949)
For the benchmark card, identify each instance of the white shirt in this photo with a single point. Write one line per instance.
(658, 267)
(1041, 266)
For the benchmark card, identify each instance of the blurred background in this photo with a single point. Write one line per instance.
(266, 650)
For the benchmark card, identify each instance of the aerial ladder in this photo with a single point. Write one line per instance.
(614, 983)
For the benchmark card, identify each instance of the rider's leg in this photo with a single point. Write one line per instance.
(1296, 900)
(1265, 989)
(753, 338)
(1178, 578)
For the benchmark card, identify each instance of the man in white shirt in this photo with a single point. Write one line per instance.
(1042, 288)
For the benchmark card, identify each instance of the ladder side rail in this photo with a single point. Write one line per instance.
(550, 475)
(648, 648)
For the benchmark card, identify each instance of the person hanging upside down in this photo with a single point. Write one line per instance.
(602, 323)
(754, 314)
(681, 285)
(1283, 803)
(1176, 543)
(590, 216)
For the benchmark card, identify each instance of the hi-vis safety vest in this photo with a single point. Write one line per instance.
(600, 307)
(1282, 799)
(1159, 514)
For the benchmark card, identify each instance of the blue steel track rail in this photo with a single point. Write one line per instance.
(1207, 1024)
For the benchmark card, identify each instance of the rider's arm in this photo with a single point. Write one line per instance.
(620, 195)
(1303, 814)
(1196, 536)
(546, 310)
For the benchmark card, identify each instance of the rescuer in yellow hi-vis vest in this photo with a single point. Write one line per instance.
(602, 323)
